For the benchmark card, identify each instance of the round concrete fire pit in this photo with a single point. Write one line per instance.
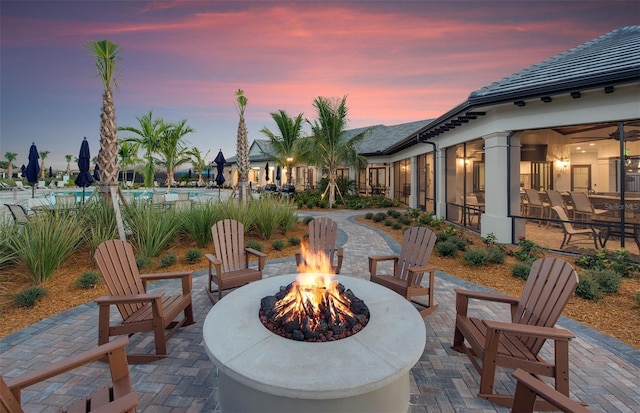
(260, 371)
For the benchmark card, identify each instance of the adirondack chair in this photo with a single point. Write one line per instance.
(119, 397)
(231, 259)
(409, 268)
(323, 235)
(529, 387)
(516, 344)
(570, 231)
(140, 311)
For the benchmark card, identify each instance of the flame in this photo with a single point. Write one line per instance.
(313, 294)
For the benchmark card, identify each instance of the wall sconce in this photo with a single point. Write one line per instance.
(563, 162)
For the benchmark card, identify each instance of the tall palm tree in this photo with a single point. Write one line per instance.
(172, 148)
(10, 156)
(328, 147)
(198, 161)
(68, 158)
(285, 145)
(128, 154)
(242, 146)
(43, 156)
(149, 132)
(106, 58)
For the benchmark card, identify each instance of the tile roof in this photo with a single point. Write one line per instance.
(610, 59)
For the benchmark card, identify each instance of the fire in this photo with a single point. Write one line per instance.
(315, 307)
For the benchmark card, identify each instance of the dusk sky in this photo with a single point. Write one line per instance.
(397, 61)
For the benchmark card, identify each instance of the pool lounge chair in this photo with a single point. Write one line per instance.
(21, 186)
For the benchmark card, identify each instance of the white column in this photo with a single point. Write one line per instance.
(440, 176)
(495, 218)
(413, 197)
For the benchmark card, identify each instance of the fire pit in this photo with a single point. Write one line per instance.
(260, 371)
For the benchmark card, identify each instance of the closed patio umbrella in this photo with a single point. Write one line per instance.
(84, 178)
(220, 161)
(22, 169)
(278, 174)
(96, 172)
(33, 168)
(266, 171)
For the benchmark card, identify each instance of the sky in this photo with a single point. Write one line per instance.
(396, 61)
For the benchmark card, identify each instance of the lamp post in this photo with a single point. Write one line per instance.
(289, 169)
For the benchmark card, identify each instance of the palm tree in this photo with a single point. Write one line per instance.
(172, 150)
(68, 158)
(242, 146)
(43, 156)
(128, 154)
(198, 161)
(10, 156)
(106, 57)
(328, 147)
(149, 133)
(285, 146)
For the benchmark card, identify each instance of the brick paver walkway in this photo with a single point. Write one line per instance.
(604, 372)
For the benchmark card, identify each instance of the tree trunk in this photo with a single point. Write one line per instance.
(108, 155)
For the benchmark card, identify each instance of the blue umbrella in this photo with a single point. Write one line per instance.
(22, 169)
(96, 172)
(266, 171)
(278, 174)
(220, 161)
(84, 178)
(33, 168)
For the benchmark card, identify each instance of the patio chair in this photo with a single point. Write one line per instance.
(182, 205)
(529, 387)
(323, 235)
(19, 214)
(556, 199)
(140, 311)
(409, 268)
(582, 206)
(570, 231)
(231, 259)
(517, 343)
(21, 186)
(118, 397)
(535, 205)
(66, 201)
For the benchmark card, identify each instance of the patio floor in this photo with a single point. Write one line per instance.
(604, 371)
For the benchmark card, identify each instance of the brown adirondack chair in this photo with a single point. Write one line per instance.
(118, 397)
(516, 344)
(231, 259)
(529, 387)
(140, 311)
(323, 235)
(409, 268)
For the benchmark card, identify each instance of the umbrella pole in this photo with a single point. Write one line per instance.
(33, 190)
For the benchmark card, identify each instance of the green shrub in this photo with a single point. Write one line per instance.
(142, 261)
(44, 245)
(413, 213)
(153, 229)
(388, 222)
(198, 221)
(597, 261)
(404, 220)
(496, 255)
(397, 225)
(368, 215)
(379, 217)
(168, 259)
(446, 249)
(521, 270)
(608, 280)
(394, 213)
(278, 244)
(253, 244)
(307, 219)
(589, 288)
(29, 296)
(461, 243)
(294, 241)
(265, 216)
(88, 280)
(526, 250)
(475, 257)
(287, 217)
(192, 255)
(442, 237)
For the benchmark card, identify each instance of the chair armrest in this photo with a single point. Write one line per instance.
(127, 299)
(261, 257)
(375, 259)
(413, 271)
(554, 333)
(164, 275)
(463, 296)
(213, 259)
(66, 364)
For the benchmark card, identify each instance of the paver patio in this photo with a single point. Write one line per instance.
(604, 372)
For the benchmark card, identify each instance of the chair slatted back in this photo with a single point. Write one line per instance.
(117, 265)
(555, 198)
(228, 243)
(581, 202)
(533, 197)
(417, 246)
(568, 227)
(18, 212)
(323, 235)
(550, 285)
